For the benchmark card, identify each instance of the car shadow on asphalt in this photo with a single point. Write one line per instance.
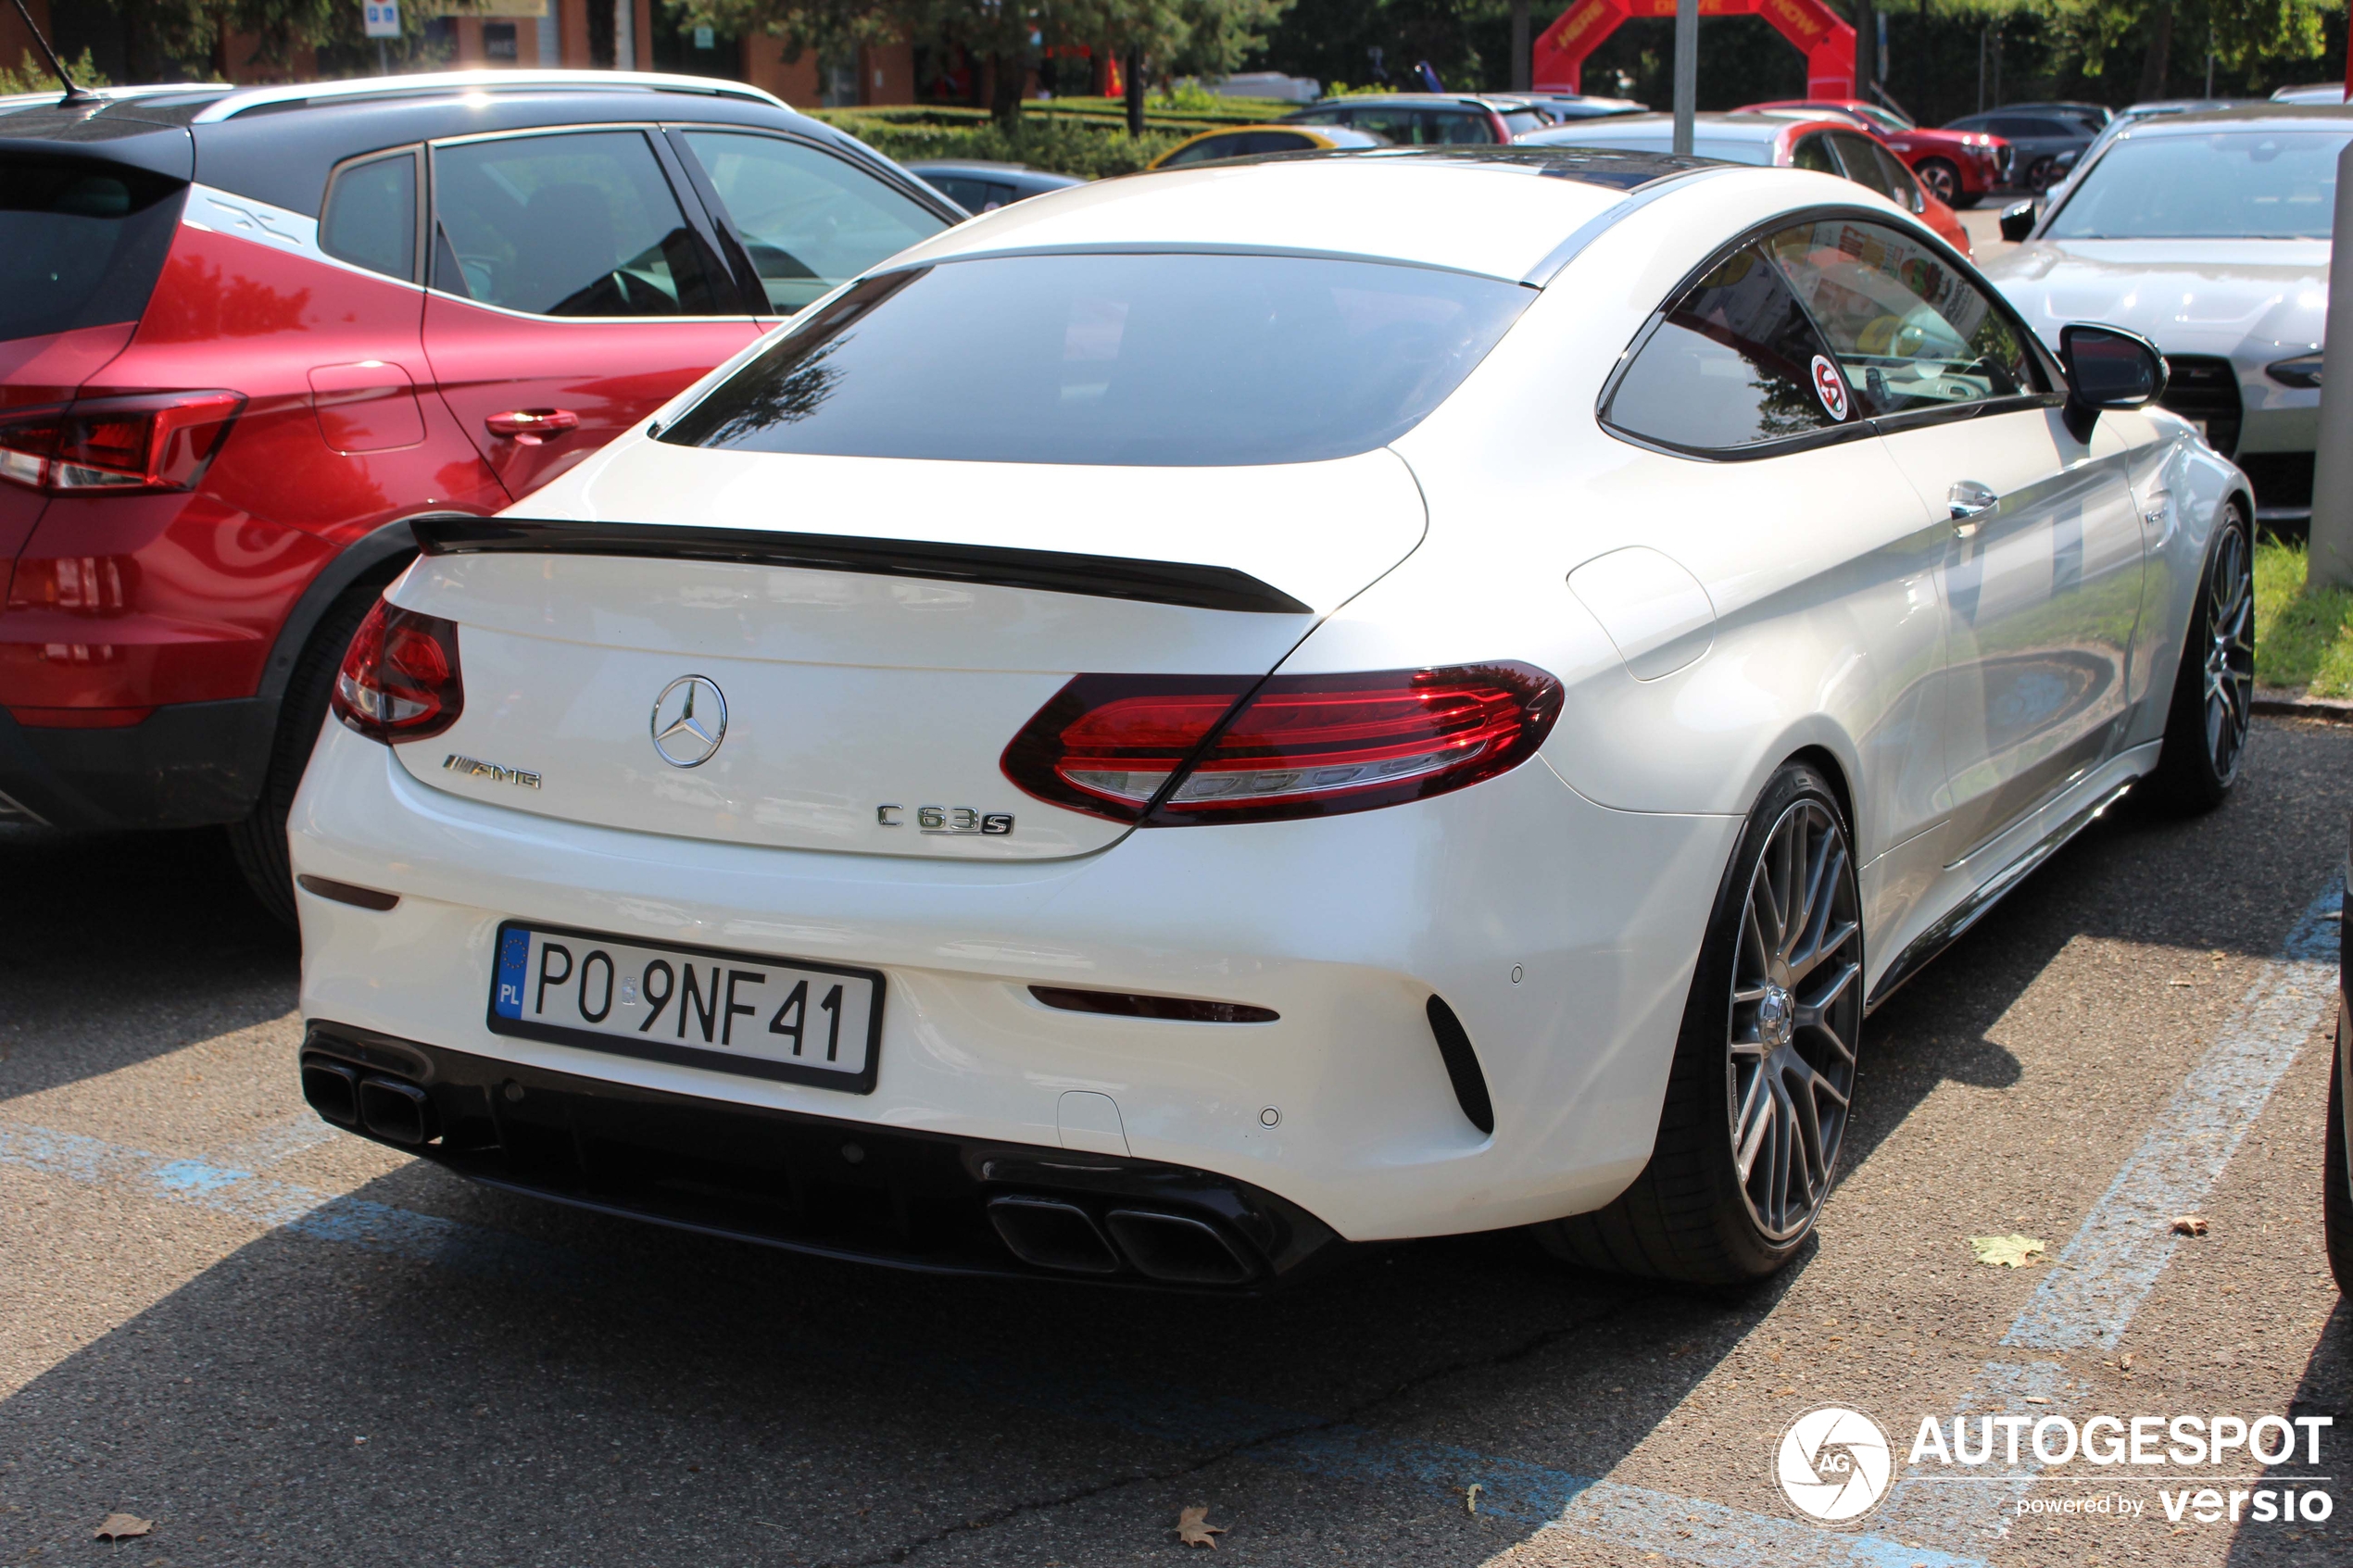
(2325, 1389)
(154, 931)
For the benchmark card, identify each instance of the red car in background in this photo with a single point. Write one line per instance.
(1778, 139)
(1961, 167)
(246, 334)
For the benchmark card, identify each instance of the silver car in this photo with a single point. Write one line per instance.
(2209, 234)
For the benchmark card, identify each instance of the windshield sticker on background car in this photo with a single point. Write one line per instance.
(1830, 387)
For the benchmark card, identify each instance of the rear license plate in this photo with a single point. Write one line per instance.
(785, 1019)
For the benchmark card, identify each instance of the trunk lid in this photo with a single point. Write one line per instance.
(877, 631)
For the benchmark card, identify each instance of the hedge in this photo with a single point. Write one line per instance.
(1086, 137)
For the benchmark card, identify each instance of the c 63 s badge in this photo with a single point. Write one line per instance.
(947, 819)
(475, 768)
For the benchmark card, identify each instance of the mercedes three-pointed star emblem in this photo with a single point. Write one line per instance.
(690, 720)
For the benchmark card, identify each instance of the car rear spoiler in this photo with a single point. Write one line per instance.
(1187, 584)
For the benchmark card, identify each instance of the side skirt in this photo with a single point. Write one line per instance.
(2070, 815)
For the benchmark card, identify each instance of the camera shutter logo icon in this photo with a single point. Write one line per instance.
(1834, 1465)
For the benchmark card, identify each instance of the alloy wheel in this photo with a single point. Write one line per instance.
(2229, 655)
(1795, 1015)
(1940, 180)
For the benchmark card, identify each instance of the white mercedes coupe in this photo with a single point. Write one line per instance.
(1203, 718)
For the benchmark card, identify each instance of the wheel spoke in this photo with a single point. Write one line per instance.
(1811, 1012)
(1756, 1124)
(1821, 949)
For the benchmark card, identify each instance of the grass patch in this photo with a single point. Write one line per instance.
(2303, 635)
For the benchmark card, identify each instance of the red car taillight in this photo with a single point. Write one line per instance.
(162, 440)
(399, 680)
(1167, 750)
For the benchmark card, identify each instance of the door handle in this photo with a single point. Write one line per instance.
(530, 427)
(1966, 502)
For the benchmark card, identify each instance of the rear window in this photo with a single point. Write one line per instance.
(80, 244)
(1129, 361)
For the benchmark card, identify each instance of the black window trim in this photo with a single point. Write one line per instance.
(1852, 429)
(730, 239)
(415, 153)
(689, 206)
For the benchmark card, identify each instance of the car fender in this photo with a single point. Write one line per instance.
(2181, 503)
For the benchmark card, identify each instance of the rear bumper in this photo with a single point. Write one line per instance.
(1559, 933)
(188, 764)
(838, 1189)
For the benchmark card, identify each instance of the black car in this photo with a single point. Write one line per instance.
(2041, 137)
(984, 187)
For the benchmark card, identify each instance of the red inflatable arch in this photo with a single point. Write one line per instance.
(1827, 41)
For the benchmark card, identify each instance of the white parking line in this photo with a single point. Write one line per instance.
(2107, 1268)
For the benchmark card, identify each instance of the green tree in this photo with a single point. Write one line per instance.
(1178, 35)
(173, 40)
(1165, 39)
(2253, 36)
(34, 75)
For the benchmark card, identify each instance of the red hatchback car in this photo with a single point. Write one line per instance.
(247, 334)
(1961, 168)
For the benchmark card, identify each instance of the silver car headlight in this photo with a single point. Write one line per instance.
(2304, 370)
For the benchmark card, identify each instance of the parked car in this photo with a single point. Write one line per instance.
(2038, 142)
(1962, 167)
(2324, 93)
(1378, 825)
(2336, 1147)
(1788, 140)
(247, 333)
(1559, 107)
(1427, 119)
(1253, 141)
(985, 187)
(2211, 233)
(2097, 116)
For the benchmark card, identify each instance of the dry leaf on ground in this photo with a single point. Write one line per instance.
(2005, 1252)
(121, 1527)
(1194, 1528)
(2189, 1224)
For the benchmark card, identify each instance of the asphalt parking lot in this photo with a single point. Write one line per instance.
(283, 1344)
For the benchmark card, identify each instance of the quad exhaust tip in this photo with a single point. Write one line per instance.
(393, 1110)
(1048, 1233)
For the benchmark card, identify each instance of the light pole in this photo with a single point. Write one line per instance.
(2331, 559)
(1686, 72)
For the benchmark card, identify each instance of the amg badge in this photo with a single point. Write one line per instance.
(475, 768)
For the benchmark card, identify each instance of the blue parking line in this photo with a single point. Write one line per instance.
(2109, 1266)
(2109, 1269)
(1532, 1496)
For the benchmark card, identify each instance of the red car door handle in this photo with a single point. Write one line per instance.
(529, 427)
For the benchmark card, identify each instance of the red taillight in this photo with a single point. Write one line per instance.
(1165, 750)
(119, 444)
(399, 680)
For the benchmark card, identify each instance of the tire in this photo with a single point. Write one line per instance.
(2207, 726)
(1943, 179)
(1764, 1060)
(2337, 1186)
(259, 841)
